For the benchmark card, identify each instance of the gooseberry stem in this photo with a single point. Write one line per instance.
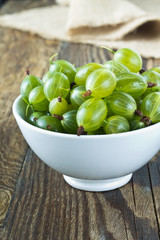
(139, 113)
(28, 105)
(150, 84)
(80, 130)
(72, 84)
(59, 99)
(27, 71)
(50, 60)
(141, 71)
(109, 49)
(146, 120)
(57, 116)
(87, 93)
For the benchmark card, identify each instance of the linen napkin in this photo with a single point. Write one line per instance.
(116, 23)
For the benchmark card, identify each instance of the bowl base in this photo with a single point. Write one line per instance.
(97, 185)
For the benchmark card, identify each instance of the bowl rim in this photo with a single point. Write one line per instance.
(74, 136)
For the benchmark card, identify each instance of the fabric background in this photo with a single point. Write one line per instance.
(116, 23)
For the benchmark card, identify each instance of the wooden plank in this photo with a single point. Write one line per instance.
(18, 50)
(45, 207)
(154, 166)
(154, 174)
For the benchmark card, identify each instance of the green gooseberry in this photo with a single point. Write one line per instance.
(69, 122)
(90, 115)
(116, 67)
(131, 83)
(156, 69)
(28, 83)
(37, 99)
(63, 66)
(57, 85)
(34, 117)
(100, 83)
(122, 104)
(152, 79)
(49, 123)
(116, 124)
(128, 57)
(151, 107)
(136, 122)
(76, 97)
(46, 76)
(84, 71)
(58, 106)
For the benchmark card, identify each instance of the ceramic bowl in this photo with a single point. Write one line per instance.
(91, 163)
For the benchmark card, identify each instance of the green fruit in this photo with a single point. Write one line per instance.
(131, 83)
(37, 99)
(152, 78)
(136, 123)
(130, 58)
(65, 67)
(49, 123)
(91, 114)
(100, 83)
(76, 96)
(46, 76)
(34, 117)
(121, 104)
(116, 67)
(84, 71)
(69, 122)
(28, 84)
(116, 124)
(151, 107)
(156, 69)
(58, 106)
(57, 85)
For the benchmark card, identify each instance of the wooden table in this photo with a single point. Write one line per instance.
(35, 201)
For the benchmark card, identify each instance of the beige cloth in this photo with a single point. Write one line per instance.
(115, 23)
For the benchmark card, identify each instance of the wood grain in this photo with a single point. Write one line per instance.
(42, 205)
(17, 52)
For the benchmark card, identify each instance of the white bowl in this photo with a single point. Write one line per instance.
(92, 163)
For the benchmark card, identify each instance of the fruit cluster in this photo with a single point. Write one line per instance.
(114, 97)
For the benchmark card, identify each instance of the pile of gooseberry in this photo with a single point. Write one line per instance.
(114, 97)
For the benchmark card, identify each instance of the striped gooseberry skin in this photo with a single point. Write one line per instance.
(131, 83)
(130, 58)
(84, 71)
(49, 123)
(156, 69)
(28, 83)
(58, 106)
(101, 83)
(46, 76)
(65, 67)
(116, 67)
(69, 122)
(91, 114)
(37, 99)
(151, 106)
(57, 85)
(34, 117)
(121, 104)
(116, 124)
(153, 77)
(76, 96)
(136, 123)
